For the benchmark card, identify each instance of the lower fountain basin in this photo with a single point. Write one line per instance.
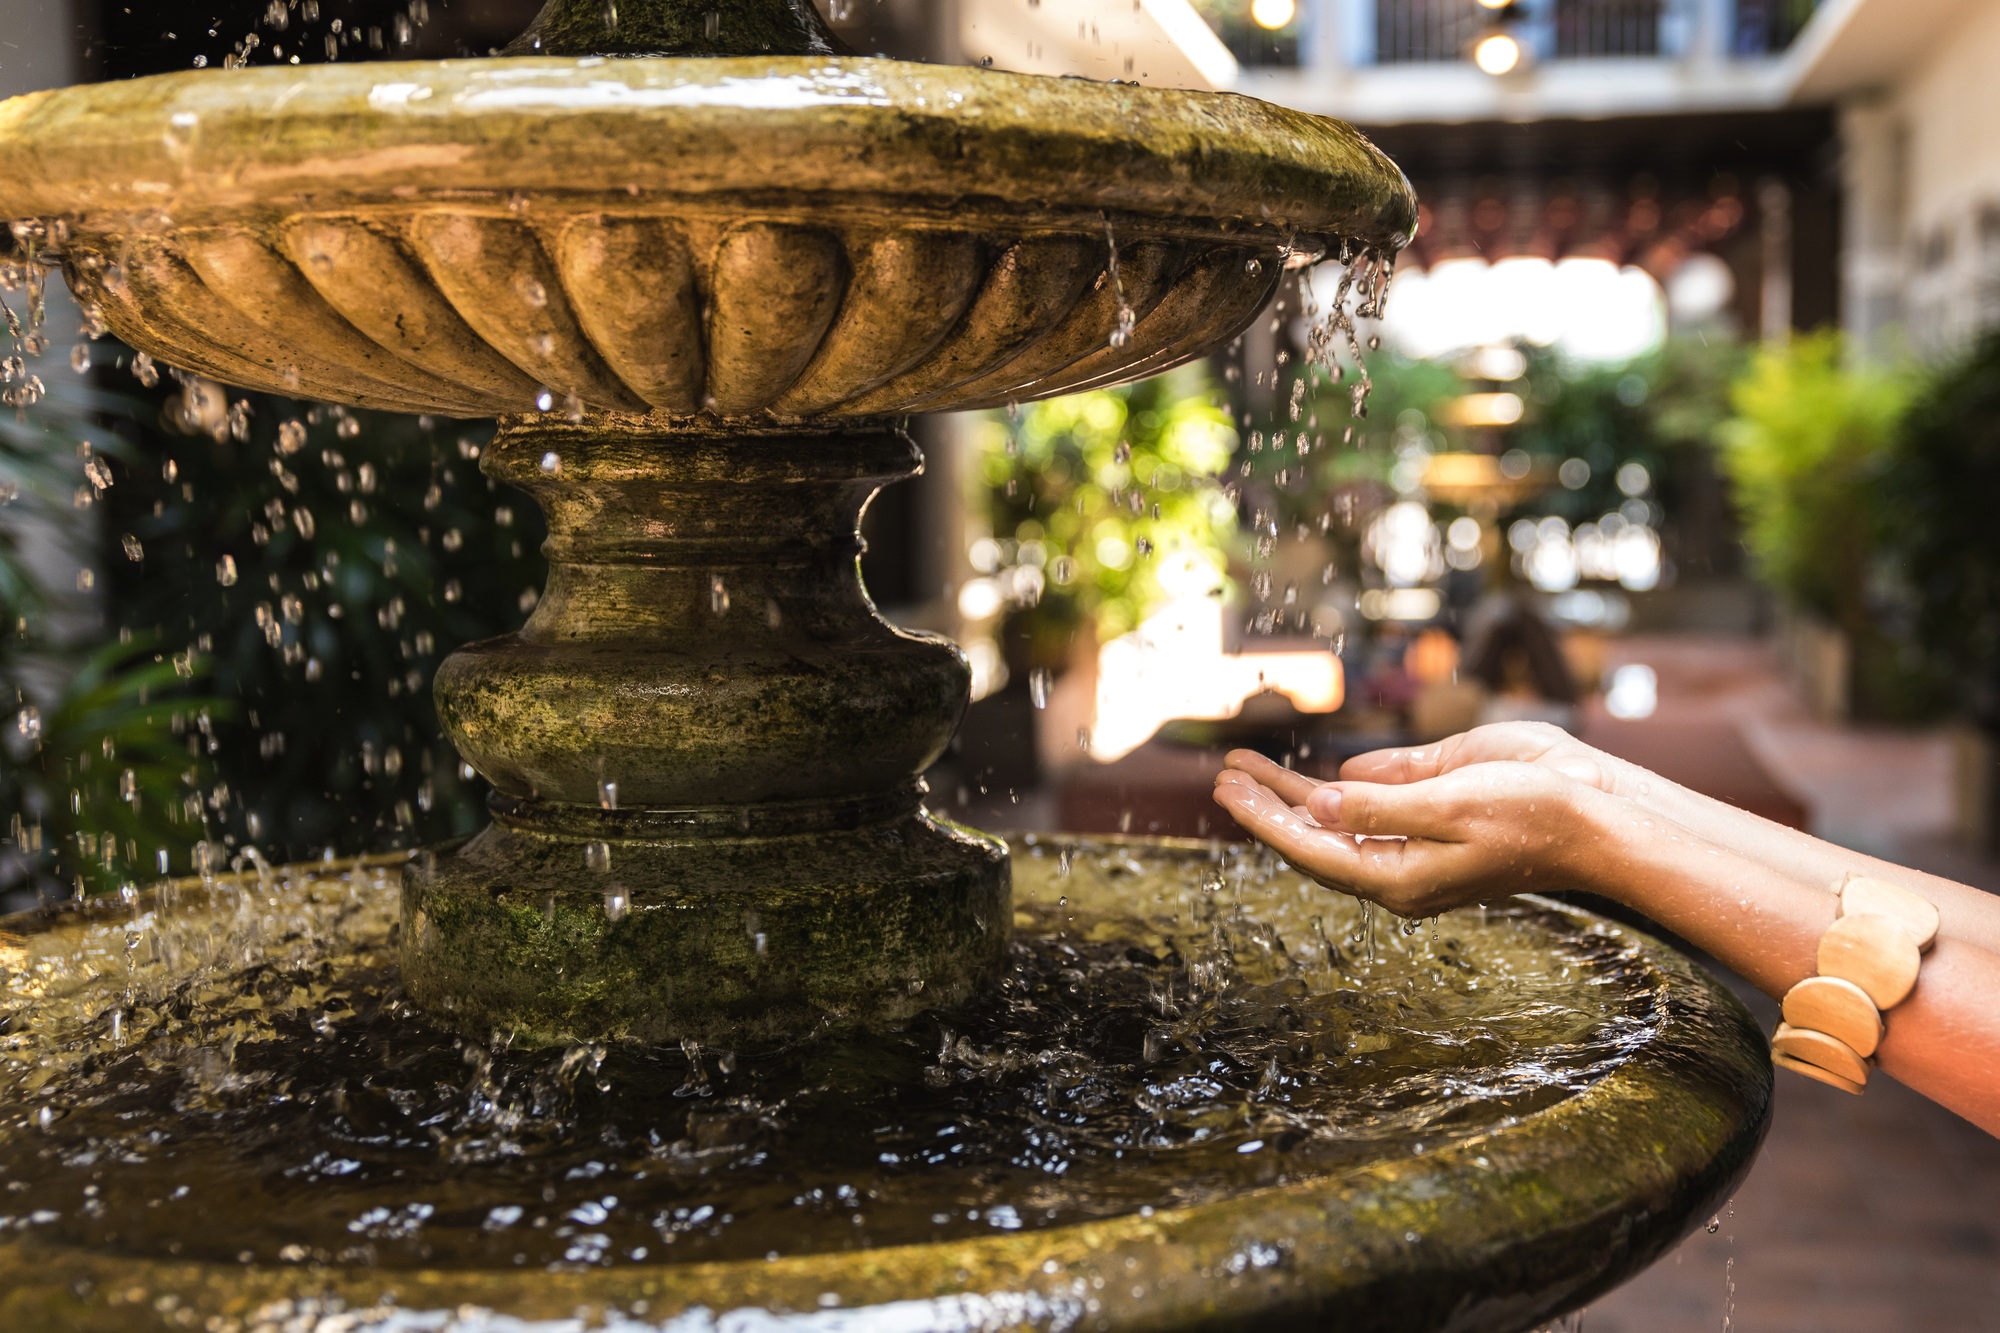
(1205, 1094)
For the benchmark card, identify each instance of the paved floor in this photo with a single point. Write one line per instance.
(1872, 1214)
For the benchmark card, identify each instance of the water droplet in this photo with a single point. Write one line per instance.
(225, 571)
(718, 595)
(607, 795)
(551, 462)
(1039, 682)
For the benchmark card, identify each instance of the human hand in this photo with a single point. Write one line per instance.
(1501, 742)
(1475, 834)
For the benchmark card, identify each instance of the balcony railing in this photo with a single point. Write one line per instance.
(1599, 28)
(1410, 31)
(1405, 32)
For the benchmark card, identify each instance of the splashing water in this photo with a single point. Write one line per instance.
(1362, 293)
(1121, 332)
(229, 1073)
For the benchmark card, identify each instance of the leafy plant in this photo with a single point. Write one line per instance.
(95, 776)
(1109, 498)
(325, 561)
(1808, 451)
(1809, 440)
(102, 789)
(1941, 526)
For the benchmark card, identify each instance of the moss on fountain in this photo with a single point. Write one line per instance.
(677, 27)
(700, 291)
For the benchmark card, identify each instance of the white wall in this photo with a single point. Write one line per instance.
(1950, 114)
(1922, 173)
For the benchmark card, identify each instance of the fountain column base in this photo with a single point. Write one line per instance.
(705, 747)
(730, 940)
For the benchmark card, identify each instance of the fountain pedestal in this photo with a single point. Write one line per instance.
(706, 750)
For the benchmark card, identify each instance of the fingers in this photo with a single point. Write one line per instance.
(1293, 787)
(1433, 809)
(1406, 876)
(1501, 742)
(1395, 766)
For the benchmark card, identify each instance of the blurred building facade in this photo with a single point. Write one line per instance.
(1920, 164)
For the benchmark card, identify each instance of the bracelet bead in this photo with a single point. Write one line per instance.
(1838, 1008)
(1813, 1071)
(1875, 953)
(1820, 1050)
(1862, 896)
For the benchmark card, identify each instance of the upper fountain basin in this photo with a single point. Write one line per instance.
(783, 238)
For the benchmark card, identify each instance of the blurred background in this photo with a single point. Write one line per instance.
(1682, 431)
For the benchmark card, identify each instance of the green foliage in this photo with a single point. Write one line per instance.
(1941, 524)
(95, 778)
(101, 785)
(1810, 440)
(1111, 494)
(325, 562)
(1660, 410)
(1809, 452)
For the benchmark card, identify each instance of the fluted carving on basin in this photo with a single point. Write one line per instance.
(634, 288)
(475, 314)
(379, 288)
(264, 287)
(1028, 289)
(907, 294)
(495, 272)
(774, 290)
(1144, 271)
(1209, 302)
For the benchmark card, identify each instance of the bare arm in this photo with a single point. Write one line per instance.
(1967, 913)
(1489, 830)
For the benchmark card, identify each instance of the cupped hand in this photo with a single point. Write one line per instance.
(1478, 833)
(1536, 743)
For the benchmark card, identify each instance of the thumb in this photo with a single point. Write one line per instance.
(1426, 809)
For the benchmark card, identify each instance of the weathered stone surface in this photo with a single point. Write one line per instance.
(705, 747)
(729, 253)
(770, 238)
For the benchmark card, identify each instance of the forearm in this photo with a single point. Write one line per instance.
(1944, 1041)
(1763, 923)
(1965, 913)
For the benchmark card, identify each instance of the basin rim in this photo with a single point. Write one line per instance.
(1663, 1138)
(799, 132)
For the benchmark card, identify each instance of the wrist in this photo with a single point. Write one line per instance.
(1606, 852)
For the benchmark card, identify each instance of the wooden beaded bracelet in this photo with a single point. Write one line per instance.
(1868, 964)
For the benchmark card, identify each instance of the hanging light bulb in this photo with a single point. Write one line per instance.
(1273, 14)
(1496, 50)
(1496, 53)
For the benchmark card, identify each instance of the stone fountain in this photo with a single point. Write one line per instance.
(702, 265)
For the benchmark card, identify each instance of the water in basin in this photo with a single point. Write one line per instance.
(228, 1073)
